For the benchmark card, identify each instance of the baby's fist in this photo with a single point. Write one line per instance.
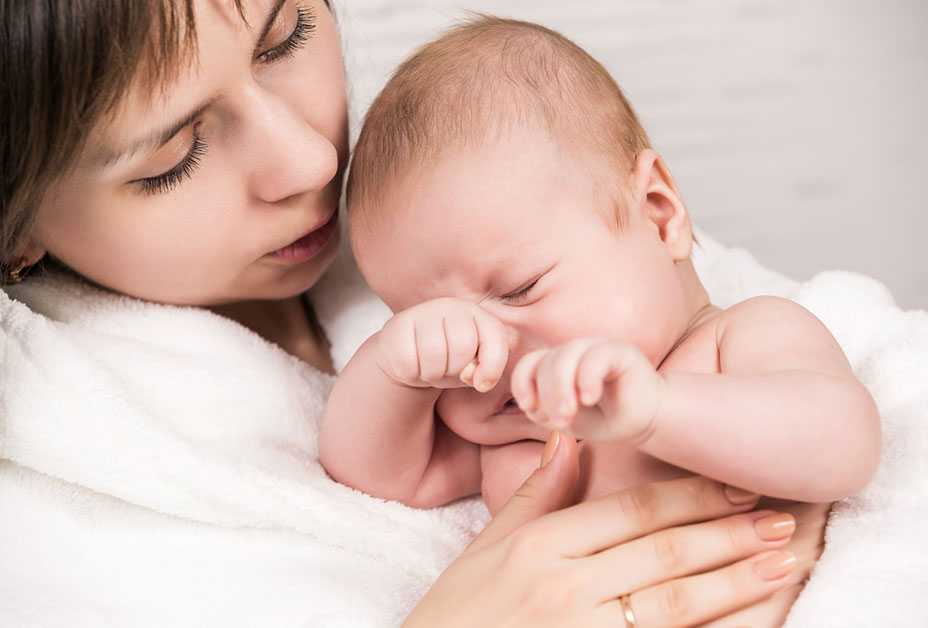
(444, 343)
(597, 389)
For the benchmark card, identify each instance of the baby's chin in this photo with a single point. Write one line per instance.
(490, 435)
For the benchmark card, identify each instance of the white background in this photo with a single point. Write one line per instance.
(795, 128)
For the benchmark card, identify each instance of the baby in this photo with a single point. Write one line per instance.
(504, 201)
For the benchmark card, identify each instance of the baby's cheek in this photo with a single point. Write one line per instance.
(504, 469)
(458, 413)
(471, 416)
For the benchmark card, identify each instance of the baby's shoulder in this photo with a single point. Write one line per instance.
(773, 332)
(764, 313)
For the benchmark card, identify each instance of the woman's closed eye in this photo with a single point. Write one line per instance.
(170, 179)
(304, 24)
(302, 30)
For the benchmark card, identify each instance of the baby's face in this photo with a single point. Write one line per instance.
(521, 228)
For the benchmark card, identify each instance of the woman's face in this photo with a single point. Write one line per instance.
(224, 187)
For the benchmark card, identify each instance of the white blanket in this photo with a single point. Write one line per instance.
(158, 467)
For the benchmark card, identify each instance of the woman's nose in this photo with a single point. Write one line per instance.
(287, 155)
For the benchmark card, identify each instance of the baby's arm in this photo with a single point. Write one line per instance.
(380, 433)
(786, 417)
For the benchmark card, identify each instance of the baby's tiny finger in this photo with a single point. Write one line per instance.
(592, 371)
(557, 382)
(523, 383)
(461, 338)
(467, 373)
(432, 349)
(492, 353)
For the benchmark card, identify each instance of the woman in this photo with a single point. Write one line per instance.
(191, 153)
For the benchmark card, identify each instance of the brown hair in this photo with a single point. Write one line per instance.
(478, 77)
(65, 65)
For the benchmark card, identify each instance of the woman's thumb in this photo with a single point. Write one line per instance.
(551, 487)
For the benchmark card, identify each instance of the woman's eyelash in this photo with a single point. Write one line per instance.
(169, 180)
(302, 32)
(163, 183)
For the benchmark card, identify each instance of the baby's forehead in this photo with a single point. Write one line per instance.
(408, 260)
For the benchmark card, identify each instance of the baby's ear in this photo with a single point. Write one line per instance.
(654, 196)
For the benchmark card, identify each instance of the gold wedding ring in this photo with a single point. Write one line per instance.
(630, 621)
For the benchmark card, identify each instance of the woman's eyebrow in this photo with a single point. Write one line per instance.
(159, 138)
(154, 140)
(269, 22)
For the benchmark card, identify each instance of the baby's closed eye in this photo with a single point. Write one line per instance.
(520, 295)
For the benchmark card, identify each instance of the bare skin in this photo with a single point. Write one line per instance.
(521, 310)
(233, 234)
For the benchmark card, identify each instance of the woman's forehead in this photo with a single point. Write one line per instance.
(177, 79)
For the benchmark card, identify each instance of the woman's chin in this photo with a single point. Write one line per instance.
(295, 279)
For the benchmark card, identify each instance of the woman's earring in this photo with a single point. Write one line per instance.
(18, 273)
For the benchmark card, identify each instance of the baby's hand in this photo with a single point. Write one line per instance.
(444, 343)
(596, 389)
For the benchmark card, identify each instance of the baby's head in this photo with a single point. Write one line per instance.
(502, 164)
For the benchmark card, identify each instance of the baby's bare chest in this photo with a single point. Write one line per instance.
(608, 467)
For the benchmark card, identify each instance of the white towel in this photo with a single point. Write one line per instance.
(159, 467)
(874, 570)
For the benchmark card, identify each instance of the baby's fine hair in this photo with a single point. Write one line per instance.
(479, 79)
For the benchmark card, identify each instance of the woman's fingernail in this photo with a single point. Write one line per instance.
(774, 565)
(739, 496)
(554, 439)
(775, 526)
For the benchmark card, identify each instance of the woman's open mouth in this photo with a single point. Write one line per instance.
(310, 244)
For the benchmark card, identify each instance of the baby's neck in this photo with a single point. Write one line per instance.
(698, 307)
(288, 323)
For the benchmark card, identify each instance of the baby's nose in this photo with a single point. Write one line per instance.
(521, 344)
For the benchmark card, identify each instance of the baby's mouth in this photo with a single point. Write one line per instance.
(510, 407)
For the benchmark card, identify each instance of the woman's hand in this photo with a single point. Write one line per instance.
(535, 567)
(807, 544)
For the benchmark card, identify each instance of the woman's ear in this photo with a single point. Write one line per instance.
(655, 198)
(32, 253)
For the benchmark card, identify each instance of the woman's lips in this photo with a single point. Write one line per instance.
(310, 244)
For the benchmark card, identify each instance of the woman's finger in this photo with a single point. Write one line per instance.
(640, 510)
(686, 550)
(697, 599)
(549, 488)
